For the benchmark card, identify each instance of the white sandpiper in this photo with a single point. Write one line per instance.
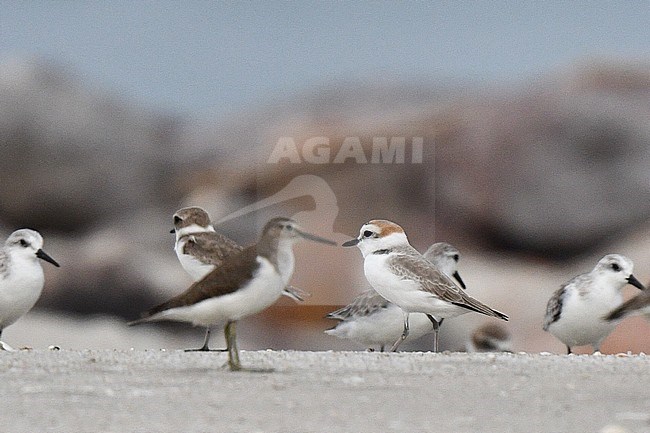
(21, 276)
(575, 314)
(200, 249)
(404, 277)
(371, 320)
(245, 283)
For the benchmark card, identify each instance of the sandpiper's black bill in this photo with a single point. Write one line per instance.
(43, 256)
(459, 279)
(636, 283)
(315, 238)
(350, 243)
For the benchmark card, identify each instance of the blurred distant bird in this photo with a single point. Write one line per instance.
(373, 321)
(200, 249)
(639, 305)
(575, 314)
(246, 283)
(21, 276)
(404, 277)
(491, 337)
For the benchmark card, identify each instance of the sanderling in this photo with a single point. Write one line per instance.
(373, 321)
(575, 313)
(245, 283)
(404, 277)
(200, 249)
(21, 275)
(491, 337)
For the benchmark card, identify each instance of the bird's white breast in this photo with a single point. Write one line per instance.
(20, 289)
(193, 266)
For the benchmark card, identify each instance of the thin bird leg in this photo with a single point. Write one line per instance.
(436, 330)
(231, 343)
(405, 333)
(205, 347)
(568, 350)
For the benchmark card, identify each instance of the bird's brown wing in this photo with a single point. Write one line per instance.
(210, 247)
(231, 276)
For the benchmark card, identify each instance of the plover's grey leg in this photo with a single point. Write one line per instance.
(205, 347)
(568, 350)
(381, 348)
(405, 333)
(436, 330)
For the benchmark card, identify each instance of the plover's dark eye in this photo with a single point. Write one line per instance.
(367, 233)
(616, 267)
(289, 227)
(177, 219)
(24, 243)
(456, 258)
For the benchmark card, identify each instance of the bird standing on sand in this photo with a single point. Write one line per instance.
(21, 276)
(200, 249)
(245, 283)
(575, 314)
(404, 277)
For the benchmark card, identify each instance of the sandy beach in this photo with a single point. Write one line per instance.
(173, 391)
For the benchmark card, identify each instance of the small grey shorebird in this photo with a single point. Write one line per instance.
(575, 314)
(200, 249)
(373, 321)
(245, 283)
(404, 277)
(21, 276)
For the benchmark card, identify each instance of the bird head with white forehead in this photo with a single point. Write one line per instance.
(616, 270)
(378, 235)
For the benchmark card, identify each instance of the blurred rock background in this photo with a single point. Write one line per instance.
(533, 180)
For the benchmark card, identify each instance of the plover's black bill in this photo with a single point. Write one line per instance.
(636, 283)
(172, 231)
(43, 256)
(350, 243)
(315, 238)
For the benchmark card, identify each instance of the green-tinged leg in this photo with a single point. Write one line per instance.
(231, 343)
(233, 352)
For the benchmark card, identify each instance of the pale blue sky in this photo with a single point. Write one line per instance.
(213, 58)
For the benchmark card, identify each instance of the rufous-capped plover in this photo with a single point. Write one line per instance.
(575, 314)
(200, 249)
(21, 276)
(245, 283)
(404, 277)
(371, 320)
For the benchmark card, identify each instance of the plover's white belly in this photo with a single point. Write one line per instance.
(407, 294)
(581, 321)
(382, 327)
(260, 292)
(19, 292)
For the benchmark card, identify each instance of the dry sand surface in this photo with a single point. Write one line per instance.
(174, 391)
